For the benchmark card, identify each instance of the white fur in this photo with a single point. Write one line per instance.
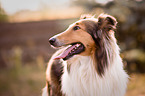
(44, 91)
(82, 80)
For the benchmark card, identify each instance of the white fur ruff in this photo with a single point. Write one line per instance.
(45, 91)
(83, 80)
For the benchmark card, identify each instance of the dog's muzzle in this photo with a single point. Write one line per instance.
(55, 42)
(52, 41)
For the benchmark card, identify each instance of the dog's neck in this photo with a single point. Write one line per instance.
(110, 48)
(78, 61)
(81, 79)
(80, 71)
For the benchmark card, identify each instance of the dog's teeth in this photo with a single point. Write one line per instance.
(77, 45)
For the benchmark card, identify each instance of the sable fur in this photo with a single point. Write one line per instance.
(98, 71)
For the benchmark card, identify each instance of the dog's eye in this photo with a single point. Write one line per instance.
(76, 28)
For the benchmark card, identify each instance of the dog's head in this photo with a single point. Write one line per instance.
(85, 37)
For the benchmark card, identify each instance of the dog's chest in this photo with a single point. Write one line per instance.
(82, 80)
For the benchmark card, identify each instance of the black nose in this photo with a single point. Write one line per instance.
(52, 40)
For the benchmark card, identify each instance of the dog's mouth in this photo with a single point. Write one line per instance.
(71, 50)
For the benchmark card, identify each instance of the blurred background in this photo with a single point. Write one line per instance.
(26, 26)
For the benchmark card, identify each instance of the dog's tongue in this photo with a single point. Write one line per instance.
(65, 53)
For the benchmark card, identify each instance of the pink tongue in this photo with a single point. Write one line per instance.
(65, 53)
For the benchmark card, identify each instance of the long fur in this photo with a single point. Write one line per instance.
(100, 73)
(83, 80)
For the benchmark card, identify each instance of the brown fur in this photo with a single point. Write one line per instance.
(53, 76)
(91, 34)
(71, 36)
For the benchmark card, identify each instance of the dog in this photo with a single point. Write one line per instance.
(88, 62)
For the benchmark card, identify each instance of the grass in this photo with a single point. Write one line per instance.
(20, 79)
(31, 79)
(28, 79)
(136, 85)
(25, 82)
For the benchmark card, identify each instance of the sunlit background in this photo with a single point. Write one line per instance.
(26, 26)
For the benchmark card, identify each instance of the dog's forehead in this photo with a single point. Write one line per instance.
(89, 24)
(76, 23)
(89, 21)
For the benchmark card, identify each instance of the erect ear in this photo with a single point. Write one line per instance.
(106, 22)
(85, 16)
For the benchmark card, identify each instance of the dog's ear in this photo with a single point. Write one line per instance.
(85, 16)
(106, 22)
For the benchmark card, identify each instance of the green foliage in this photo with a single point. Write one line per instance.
(22, 79)
(28, 81)
(3, 16)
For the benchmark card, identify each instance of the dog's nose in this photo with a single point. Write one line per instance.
(52, 40)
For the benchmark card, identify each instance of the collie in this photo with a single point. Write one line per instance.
(88, 62)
